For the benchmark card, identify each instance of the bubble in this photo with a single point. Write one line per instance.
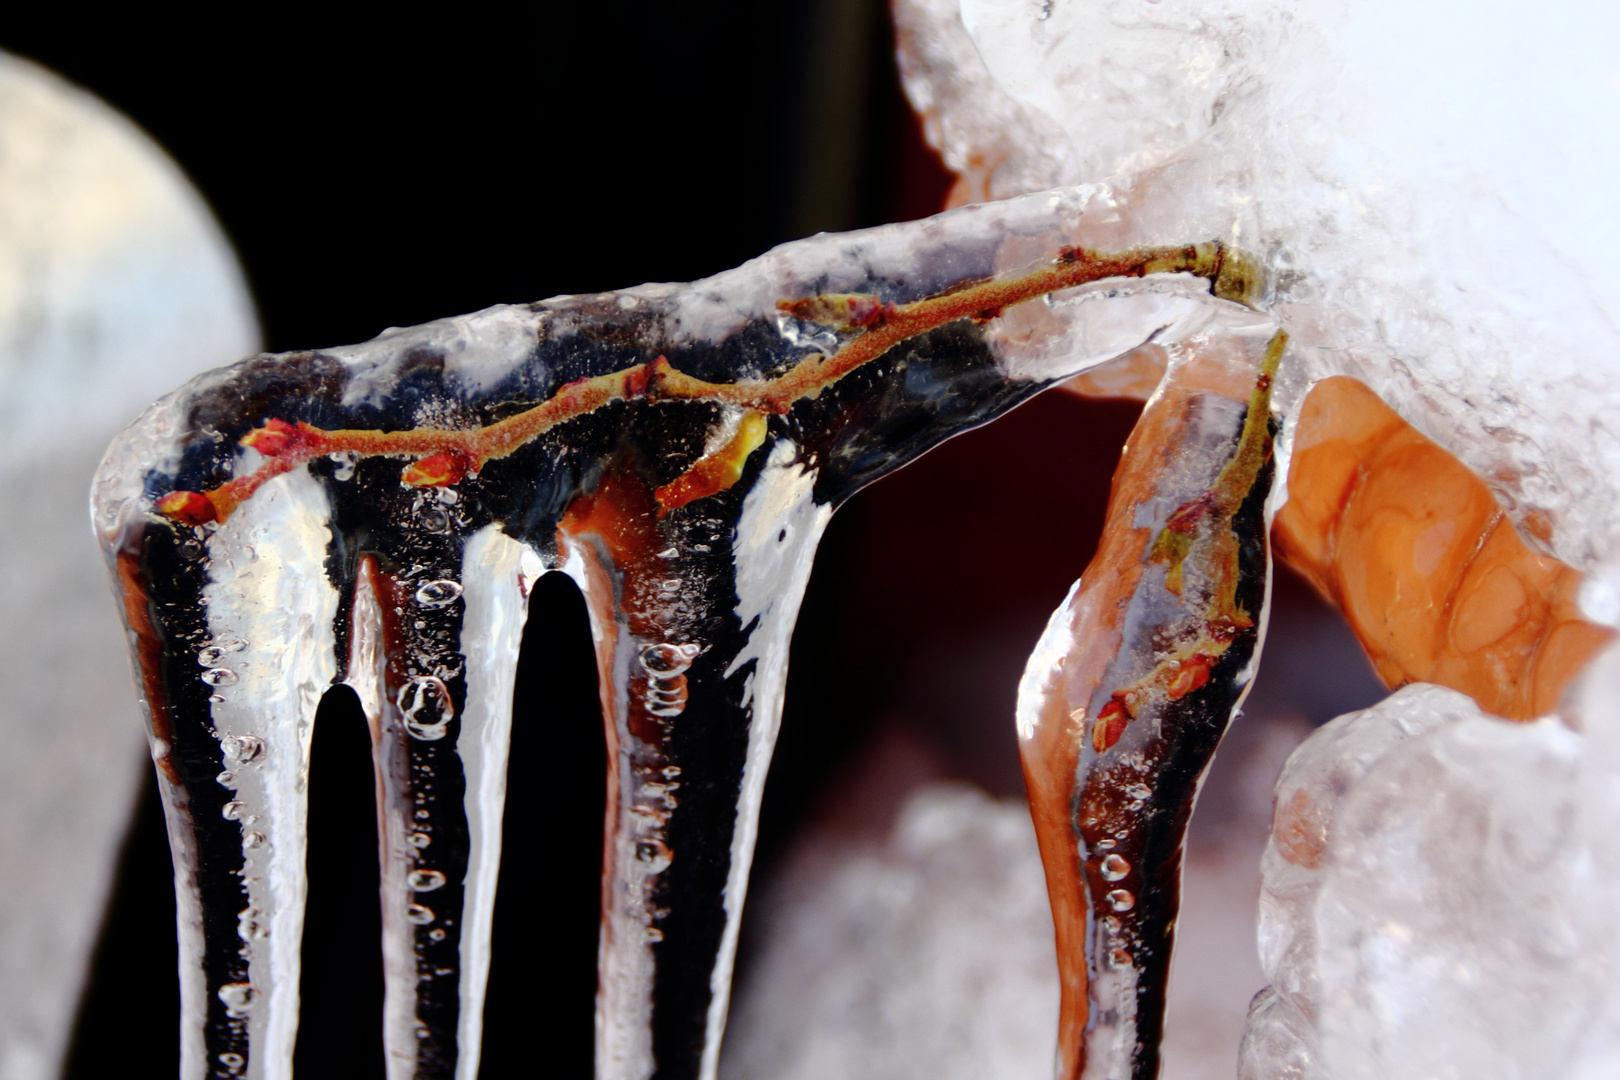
(1114, 868)
(191, 549)
(419, 914)
(668, 659)
(251, 840)
(666, 695)
(435, 935)
(232, 811)
(238, 999)
(1120, 958)
(654, 934)
(1105, 844)
(220, 676)
(212, 655)
(250, 925)
(420, 840)
(424, 880)
(425, 707)
(437, 594)
(232, 1061)
(242, 749)
(654, 855)
(226, 779)
(1121, 900)
(344, 462)
(1140, 792)
(433, 519)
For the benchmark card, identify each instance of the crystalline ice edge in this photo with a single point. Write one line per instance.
(375, 546)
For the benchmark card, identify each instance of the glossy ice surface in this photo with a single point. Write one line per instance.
(375, 515)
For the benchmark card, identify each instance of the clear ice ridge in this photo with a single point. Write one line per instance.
(402, 569)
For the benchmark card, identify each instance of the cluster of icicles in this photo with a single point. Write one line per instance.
(376, 516)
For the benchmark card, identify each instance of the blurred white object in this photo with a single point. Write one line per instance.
(929, 957)
(114, 279)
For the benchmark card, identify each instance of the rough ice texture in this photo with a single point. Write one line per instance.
(113, 278)
(1431, 223)
(1439, 895)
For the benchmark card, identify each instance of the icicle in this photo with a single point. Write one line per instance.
(1132, 686)
(677, 450)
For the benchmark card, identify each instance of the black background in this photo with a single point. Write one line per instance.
(385, 173)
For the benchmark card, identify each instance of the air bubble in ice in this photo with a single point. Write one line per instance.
(211, 655)
(226, 779)
(232, 811)
(250, 925)
(242, 749)
(425, 880)
(1115, 868)
(419, 914)
(220, 676)
(433, 519)
(654, 855)
(437, 594)
(251, 840)
(232, 1061)
(1121, 900)
(435, 935)
(425, 707)
(344, 462)
(666, 695)
(1140, 792)
(420, 840)
(238, 999)
(668, 659)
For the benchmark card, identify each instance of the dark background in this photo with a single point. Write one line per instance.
(388, 173)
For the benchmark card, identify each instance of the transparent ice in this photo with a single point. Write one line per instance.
(334, 570)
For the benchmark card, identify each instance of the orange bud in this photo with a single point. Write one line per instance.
(187, 508)
(1109, 725)
(1189, 676)
(274, 439)
(438, 470)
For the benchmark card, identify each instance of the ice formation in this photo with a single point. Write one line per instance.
(1428, 217)
(375, 515)
(113, 278)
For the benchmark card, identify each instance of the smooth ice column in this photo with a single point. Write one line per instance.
(267, 660)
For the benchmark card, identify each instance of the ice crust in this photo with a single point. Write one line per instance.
(1439, 895)
(1430, 221)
